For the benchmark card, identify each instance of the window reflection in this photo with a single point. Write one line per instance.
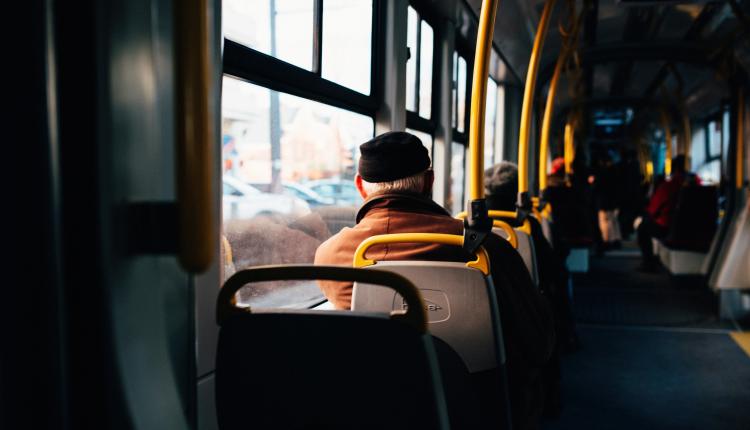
(289, 165)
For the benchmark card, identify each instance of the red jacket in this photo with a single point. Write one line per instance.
(662, 203)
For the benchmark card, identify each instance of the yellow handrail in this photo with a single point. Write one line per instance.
(668, 138)
(687, 141)
(740, 141)
(198, 230)
(479, 98)
(569, 148)
(549, 107)
(509, 230)
(528, 98)
(481, 263)
(503, 215)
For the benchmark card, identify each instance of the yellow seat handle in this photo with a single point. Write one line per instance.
(482, 262)
(507, 228)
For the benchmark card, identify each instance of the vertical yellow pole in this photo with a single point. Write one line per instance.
(569, 147)
(740, 141)
(479, 98)
(668, 139)
(687, 138)
(528, 98)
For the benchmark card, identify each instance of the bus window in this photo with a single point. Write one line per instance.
(347, 43)
(459, 92)
(456, 196)
(280, 28)
(489, 124)
(289, 165)
(420, 42)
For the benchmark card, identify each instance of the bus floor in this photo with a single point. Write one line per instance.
(654, 354)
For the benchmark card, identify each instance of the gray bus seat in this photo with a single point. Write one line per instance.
(274, 368)
(458, 301)
(525, 249)
(463, 313)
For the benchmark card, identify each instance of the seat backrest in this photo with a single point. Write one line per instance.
(695, 218)
(325, 370)
(304, 369)
(460, 302)
(525, 249)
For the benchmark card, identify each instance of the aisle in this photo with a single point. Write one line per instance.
(654, 356)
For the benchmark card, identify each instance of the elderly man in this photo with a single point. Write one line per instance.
(396, 182)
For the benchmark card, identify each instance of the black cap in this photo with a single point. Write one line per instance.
(393, 155)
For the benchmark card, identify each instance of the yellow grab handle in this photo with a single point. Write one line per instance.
(482, 262)
(494, 215)
(479, 98)
(507, 228)
(194, 134)
(528, 98)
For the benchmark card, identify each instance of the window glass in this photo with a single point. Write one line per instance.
(347, 43)
(489, 123)
(289, 165)
(425, 138)
(456, 197)
(710, 173)
(461, 108)
(698, 148)
(726, 136)
(454, 91)
(287, 37)
(500, 124)
(425, 70)
(714, 139)
(411, 63)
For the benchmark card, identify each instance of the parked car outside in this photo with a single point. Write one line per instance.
(307, 194)
(342, 192)
(242, 200)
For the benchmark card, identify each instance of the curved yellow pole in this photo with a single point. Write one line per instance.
(668, 139)
(740, 141)
(479, 98)
(549, 107)
(528, 98)
(547, 121)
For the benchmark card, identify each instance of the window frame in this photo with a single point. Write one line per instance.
(413, 119)
(245, 63)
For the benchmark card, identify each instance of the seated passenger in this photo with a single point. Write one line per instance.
(396, 182)
(501, 186)
(655, 222)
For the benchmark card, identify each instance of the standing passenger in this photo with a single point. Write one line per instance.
(395, 180)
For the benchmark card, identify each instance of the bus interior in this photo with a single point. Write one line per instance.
(196, 155)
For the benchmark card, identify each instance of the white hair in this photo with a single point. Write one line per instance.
(409, 184)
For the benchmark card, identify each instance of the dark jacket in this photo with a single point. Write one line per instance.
(527, 319)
